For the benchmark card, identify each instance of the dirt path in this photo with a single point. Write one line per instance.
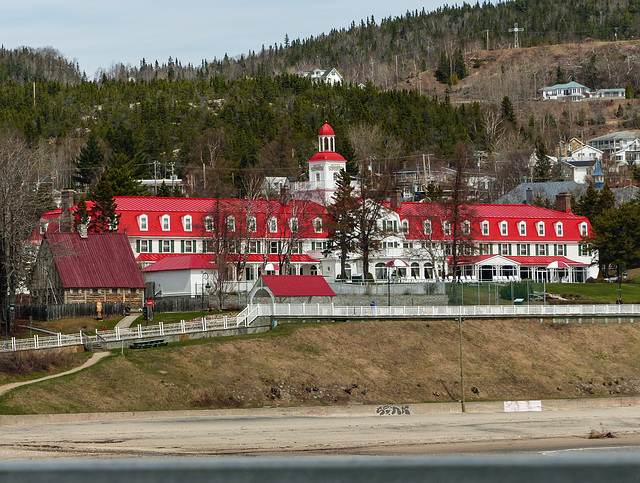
(92, 360)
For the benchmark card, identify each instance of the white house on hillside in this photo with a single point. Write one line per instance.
(329, 76)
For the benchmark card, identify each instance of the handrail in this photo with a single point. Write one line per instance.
(252, 312)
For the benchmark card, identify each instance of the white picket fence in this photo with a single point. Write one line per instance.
(252, 312)
(124, 334)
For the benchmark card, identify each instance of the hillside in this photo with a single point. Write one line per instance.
(354, 363)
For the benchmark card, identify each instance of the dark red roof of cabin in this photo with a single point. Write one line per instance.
(101, 260)
(298, 285)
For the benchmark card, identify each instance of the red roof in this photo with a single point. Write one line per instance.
(494, 216)
(180, 262)
(327, 156)
(298, 285)
(210, 258)
(101, 260)
(326, 130)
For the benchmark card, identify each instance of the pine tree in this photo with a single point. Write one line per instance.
(342, 219)
(104, 217)
(507, 110)
(88, 162)
(542, 170)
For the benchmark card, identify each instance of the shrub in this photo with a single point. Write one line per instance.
(520, 291)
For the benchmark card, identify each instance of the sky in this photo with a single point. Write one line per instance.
(99, 35)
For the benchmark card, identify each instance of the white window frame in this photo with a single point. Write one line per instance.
(294, 226)
(143, 223)
(540, 228)
(317, 225)
(273, 225)
(504, 228)
(189, 246)
(145, 246)
(187, 223)
(484, 226)
(165, 223)
(405, 226)
(166, 246)
(559, 229)
(542, 249)
(584, 229)
(426, 227)
(252, 226)
(231, 224)
(446, 228)
(208, 223)
(522, 228)
(466, 227)
(504, 249)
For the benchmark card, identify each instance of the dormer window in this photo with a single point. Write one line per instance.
(540, 228)
(251, 224)
(584, 230)
(317, 225)
(485, 228)
(559, 230)
(231, 224)
(426, 227)
(208, 223)
(273, 225)
(143, 222)
(405, 226)
(446, 228)
(165, 222)
(187, 223)
(522, 228)
(293, 225)
(466, 227)
(504, 230)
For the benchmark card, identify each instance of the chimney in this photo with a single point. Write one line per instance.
(396, 199)
(563, 202)
(529, 197)
(285, 195)
(66, 217)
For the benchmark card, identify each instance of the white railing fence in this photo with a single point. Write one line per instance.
(252, 312)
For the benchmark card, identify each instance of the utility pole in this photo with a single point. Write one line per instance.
(515, 30)
(460, 319)
(487, 32)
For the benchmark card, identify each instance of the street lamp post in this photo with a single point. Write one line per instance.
(205, 277)
(388, 286)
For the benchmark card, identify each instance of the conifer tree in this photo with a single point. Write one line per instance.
(104, 217)
(342, 220)
(88, 162)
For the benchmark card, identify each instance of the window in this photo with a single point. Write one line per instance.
(231, 224)
(207, 246)
(316, 245)
(255, 247)
(446, 228)
(145, 246)
(293, 225)
(273, 225)
(314, 270)
(504, 249)
(561, 250)
(426, 227)
(559, 229)
(165, 222)
(187, 223)
(189, 246)
(166, 246)
(143, 222)
(485, 228)
(466, 250)
(522, 228)
(251, 224)
(405, 226)
(318, 177)
(273, 247)
(504, 231)
(317, 225)
(584, 231)
(296, 249)
(485, 249)
(466, 227)
(523, 249)
(540, 227)
(208, 223)
(584, 249)
(541, 250)
(249, 273)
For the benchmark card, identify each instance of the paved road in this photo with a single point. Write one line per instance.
(241, 433)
